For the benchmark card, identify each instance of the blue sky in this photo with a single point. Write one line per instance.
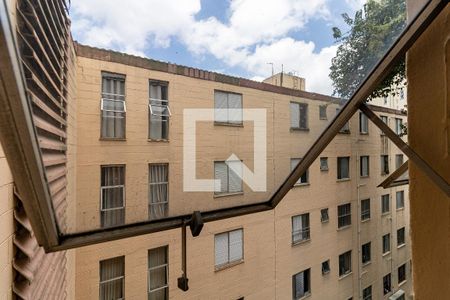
(236, 37)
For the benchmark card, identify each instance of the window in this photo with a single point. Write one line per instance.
(230, 182)
(365, 209)
(401, 273)
(158, 274)
(301, 284)
(300, 228)
(229, 247)
(112, 278)
(343, 168)
(363, 123)
(400, 199)
(384, 164)
(112, 194)
(158, 191)
(324, 164)
(385, 203)
(326, 267)
(346, 127)
(322, 112)
(398, 126)
(387, 284)
(158, 110)
(299, 115)
(344, 215)
(227, 108)
(324, 215)
(398, 160)
(365, 253)
(364, 166)
(345, 263)
(385, 120)
(113, 106)
(386, 243)
(401, 236)
(367, 293)
(304, 178)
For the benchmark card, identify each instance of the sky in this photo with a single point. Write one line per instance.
(234, 37)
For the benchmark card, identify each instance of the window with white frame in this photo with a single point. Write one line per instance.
(400, 199)
(398, 160)
(365, 253)
(229, 247)
(112, 195)
(384, 159)
(387, 287)
(299, 115)
(158, 202)
(398, 126)
(345, 263)
(113, 106)
(300, 228)
(344, 215)
(367, 293)
(158, 110)
(305, 176)
(401, 272)
(365, 209)
(346, 127)
(227, 108)
(324, 215)
(385, 206)
(401, 237)
(324, 164)
(323, 112)
(301, 284)
(386, 243)
(343, 167)
(230, 182)
(112, 278)
(364, 166)
(158, 274)
(363, 123)
(326, 267)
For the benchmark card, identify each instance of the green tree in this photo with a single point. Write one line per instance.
(373, 30)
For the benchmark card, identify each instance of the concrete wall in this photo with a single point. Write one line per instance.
(428, 65)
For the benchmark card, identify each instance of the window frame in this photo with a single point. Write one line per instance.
(151, 184)
(323, 112)
(401, 242)
(227, 192)
(299, 105)
(389, 281)
(294, 285)
(322, 219)
(304, 179)
(228, 122)
(401, 267)
(361, 166)
(364, 295)
(402, 198)
(162, 103)
(384, 209)
(323, 167)
(363, 122)
(122, 277)
(326, 267)
(366, 259)
(349, 270)
(339, 169)
(305, 233)
(384, 164)
(366, 213)
(103, 188)
(344, 216)
(386, 244)
(165, 266)
(229, 263)
(119, 77)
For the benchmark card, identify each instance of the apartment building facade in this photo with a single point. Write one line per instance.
(131, 170)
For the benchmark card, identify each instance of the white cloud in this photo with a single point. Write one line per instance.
(256, 32)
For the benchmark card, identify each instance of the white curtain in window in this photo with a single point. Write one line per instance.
(235, 108)
(111, 278)
(344, 167)
(221, 173)
(159, 194)
(303, 111)
(220, 106)
(158, 121)
(112, 182)
(295, 115)
(234, 181)
(157, 276)
(294, 163)
(113, 123)
(297, 227)
(221, 248)
(364, 165)
(300, 285)
(235, 240)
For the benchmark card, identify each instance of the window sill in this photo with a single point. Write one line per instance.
(304, 296)
(400, 209)
(344, 227)
(326, 273)
(158, 140)
(386, 254)
(401, 246)
(364, 177)
(228, 194)
(301, 184)
(325, 221)
(111, 139)
(401, 283)
(343, 180)
(345, 275)
(301, 242)
(366, 264)
(228, 265)
(384, 174)
(227, 124)
(344, 132)
(324, 170)
(385, 214)
(323, 119)
(365, 220)
(299, 129)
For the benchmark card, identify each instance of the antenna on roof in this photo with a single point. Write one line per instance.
(271, 63)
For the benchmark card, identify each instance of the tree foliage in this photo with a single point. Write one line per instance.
(373, 30)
